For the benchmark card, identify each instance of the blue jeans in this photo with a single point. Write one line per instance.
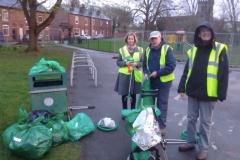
(162, 102)
(203, 110)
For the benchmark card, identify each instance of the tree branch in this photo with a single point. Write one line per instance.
(51, 16)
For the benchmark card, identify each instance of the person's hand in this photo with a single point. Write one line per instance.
(180, 96)
(153, 74)
(134, 64)
(128, 63)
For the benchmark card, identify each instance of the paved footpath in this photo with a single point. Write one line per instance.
(225, 143)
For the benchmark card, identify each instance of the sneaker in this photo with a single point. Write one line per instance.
(186, 147)
(202, 155)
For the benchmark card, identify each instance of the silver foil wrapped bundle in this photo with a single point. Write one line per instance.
(147, 130)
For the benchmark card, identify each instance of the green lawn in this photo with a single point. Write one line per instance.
(14, 67)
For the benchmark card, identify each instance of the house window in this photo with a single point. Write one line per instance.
(101, 23)
(5, 29)
(4, 15)
(76, 31)
(40, 19)
(76, 19)
(107, 22)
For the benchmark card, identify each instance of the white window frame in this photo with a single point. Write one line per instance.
(5, 27)
(76, 20)
(76, 30)
(41, 19)
(5, 15)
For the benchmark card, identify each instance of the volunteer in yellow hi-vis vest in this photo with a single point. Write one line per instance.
(204, 80)
(129, 64)
(159, 64)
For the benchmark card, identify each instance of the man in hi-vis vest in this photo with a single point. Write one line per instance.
(159, 64)
(204, 80)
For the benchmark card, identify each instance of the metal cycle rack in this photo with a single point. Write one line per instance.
(83, 60)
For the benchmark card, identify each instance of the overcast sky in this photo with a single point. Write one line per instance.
(126, 3)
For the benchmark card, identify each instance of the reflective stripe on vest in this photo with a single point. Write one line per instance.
(162, 62)
(212, 68)
(136, 57)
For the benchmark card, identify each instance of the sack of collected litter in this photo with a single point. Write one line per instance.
(58, 128)
(130, 115)
(147, 130)
(46, 66)
(107, 124)
(81, 125)
(31, 141)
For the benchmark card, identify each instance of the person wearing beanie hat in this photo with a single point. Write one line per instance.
(204, 80)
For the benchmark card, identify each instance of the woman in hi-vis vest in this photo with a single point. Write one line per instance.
(129, 78)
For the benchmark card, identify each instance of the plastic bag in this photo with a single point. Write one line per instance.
(31, 141)
(46, 66)
(107, 123)
(147, 130)
(80, 126)
(130, 116)
(59, 131)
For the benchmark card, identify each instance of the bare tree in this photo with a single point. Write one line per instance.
(151, 10)
(231, 9)
(190, 6)
(30, 9)
(121, 16)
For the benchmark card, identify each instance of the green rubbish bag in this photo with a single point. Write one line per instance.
(31, 141)
(130, 116)
(59, 131)
(81, 125)
(9, 133)
(11, 130)
(46, 66)
(142, 155)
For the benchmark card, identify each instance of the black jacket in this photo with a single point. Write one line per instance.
(197, 83)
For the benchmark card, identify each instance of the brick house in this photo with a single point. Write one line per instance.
(75, 22)
(13, 24)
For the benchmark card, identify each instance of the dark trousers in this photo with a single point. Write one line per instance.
(162, 102)
(125, 101)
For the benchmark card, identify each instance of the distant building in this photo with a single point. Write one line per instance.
(80, 21)
(13, 24)
(188, 23)
(68, 22)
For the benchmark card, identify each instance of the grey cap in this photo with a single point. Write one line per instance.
(154, 34)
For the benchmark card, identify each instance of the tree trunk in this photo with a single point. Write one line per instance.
(33, 38)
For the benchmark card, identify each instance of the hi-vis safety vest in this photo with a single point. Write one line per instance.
(162, 62)
(212, 68)
(136, 57)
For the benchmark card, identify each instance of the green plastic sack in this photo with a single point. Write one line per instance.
(59, 131)
(130, 116)
(9, 133)
(11, 130)
(46, 66)
(144, 155)
(81, 125)
(31, 141)
(146, 101)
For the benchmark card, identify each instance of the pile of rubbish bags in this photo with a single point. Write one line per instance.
(46, 66)
(36, 132)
